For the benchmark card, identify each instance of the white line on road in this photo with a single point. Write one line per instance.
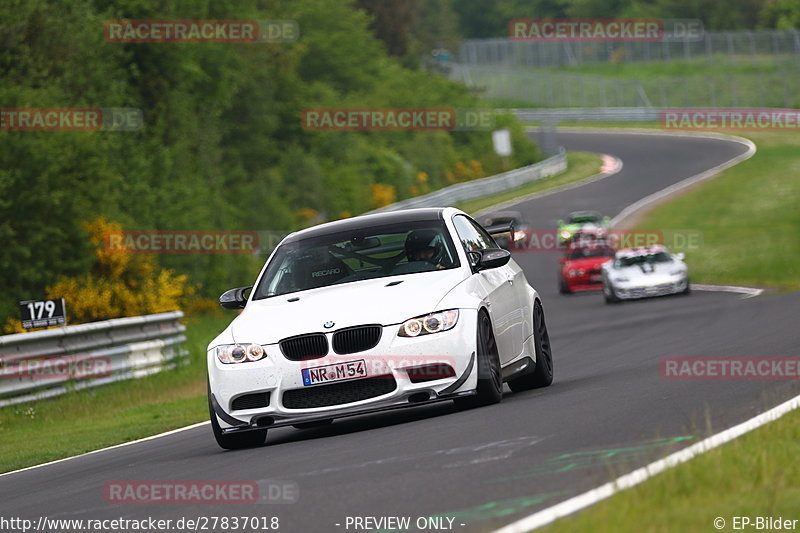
(748, 292)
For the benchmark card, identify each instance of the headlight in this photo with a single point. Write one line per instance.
(578, 272)
(565, 234)
(238, 353)
(677, 272)
(431, 323)
(620, 279)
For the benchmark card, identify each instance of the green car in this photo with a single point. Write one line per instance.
(579, 220)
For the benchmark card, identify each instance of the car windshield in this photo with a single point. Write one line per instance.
(658, 257)
(356, 255)
(583, 253)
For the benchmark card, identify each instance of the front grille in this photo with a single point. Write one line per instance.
(303, 347)
(357, 339)
(250, 401)
(339, 393)
(655, 290)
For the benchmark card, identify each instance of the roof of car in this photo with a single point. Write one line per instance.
(369, 221)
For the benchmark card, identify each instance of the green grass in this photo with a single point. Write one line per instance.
(581, 165)
(754, 475)
(700, 66)
(80, 421)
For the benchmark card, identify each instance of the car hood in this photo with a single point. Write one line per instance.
(658, 270)
(372, 301)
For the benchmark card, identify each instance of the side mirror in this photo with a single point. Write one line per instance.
(234, 298)
(681, 256)
(492, 258)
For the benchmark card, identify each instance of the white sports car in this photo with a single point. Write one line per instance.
(644, 272)
(371, 313)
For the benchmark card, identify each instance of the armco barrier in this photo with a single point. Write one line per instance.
(580, 114)
(506, 181)
(124, 348)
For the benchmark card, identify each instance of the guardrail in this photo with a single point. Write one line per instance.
(587, 114)
(50, 362)
(470, 190)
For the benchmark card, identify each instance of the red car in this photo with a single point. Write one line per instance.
(581, 267)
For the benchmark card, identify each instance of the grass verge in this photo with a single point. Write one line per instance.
(751, 476)
(81, 421)
(581, 165)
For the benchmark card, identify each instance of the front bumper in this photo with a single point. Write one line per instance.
(391, 359)
(592, 281)
(659, 288)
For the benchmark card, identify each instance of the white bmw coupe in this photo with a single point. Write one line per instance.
(371, 313)
(644, 272)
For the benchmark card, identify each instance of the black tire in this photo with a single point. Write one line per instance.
(688, 289)
(609, 294)
(234, 441)
(315, 424)
(563, 288)
(542, 374)
(490, 378)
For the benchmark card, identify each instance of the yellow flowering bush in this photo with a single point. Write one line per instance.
(120, 284)
(465, 172)
(382, 194)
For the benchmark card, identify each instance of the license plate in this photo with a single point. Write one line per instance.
(335, 372)
(597, 277)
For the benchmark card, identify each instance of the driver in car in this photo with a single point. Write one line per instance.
(424, 245)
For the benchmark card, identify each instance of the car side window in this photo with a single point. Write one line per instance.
(472, 236)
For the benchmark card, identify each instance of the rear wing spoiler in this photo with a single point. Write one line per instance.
(497, 229)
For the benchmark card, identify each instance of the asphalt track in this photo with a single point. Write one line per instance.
(608, 410)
